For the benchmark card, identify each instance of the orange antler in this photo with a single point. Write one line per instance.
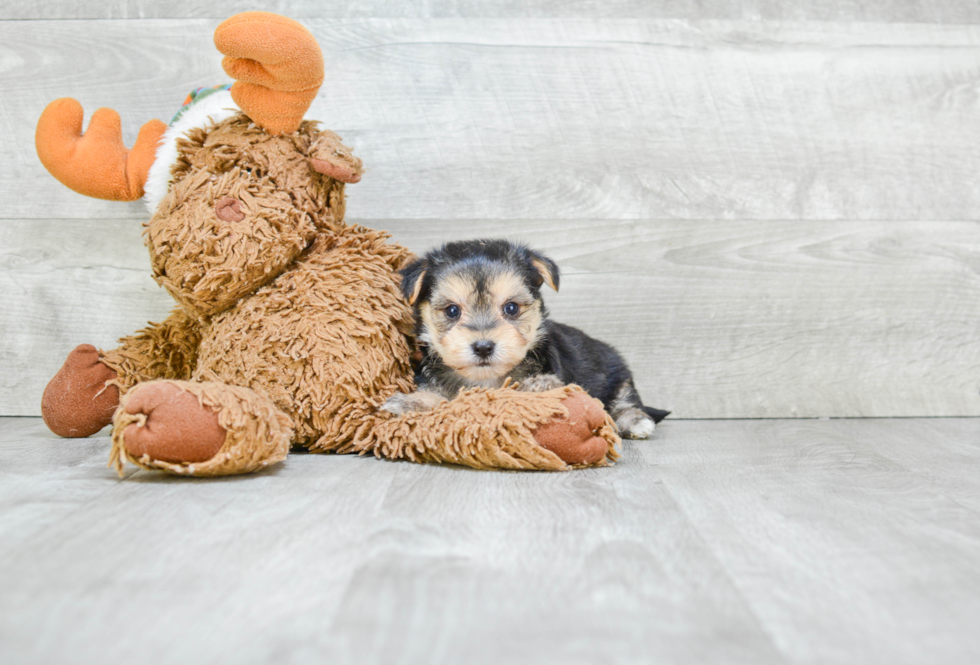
(277, 65)
(96, 163)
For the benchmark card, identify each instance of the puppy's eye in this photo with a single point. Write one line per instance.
(452, 312)
(512, 309)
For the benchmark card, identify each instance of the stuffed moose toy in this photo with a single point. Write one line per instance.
(289, 329)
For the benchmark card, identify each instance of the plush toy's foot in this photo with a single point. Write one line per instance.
(574, 438)
(175, 427)
(78, 401)
(198, 428)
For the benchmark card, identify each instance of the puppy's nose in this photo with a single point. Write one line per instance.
(483, 348)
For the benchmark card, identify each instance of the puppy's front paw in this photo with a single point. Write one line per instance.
(401, 403)
(540, 383)
(634, 424)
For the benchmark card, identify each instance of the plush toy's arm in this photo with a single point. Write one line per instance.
(499, 429)
(166, 350)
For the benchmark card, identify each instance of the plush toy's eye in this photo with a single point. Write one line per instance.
(453, 312)
(512, 309)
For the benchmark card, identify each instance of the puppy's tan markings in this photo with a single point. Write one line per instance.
(453, 289)
(418, 288)
(545, 273)
(505, 286)
(532, 324)
(435, 327)
(509, 287)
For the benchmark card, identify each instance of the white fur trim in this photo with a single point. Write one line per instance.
(214, 108)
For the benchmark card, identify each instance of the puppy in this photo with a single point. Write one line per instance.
(480, 320)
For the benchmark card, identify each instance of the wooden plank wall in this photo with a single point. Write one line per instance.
(770, 207)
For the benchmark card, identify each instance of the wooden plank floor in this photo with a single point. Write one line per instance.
(752, 541)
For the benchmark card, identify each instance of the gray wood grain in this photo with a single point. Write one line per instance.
(67, 282)
(562, 118)
(716, 318)
(827, 534)
(908, 11)
(950, 468)
(717, 542)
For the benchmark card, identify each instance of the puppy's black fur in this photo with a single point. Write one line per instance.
(574, 357)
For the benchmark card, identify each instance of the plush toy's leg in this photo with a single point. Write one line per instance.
(499, 429)
(80, 400)
(166, 350)
(199, 429)
(82, 396)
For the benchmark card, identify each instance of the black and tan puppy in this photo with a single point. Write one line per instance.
(480, 319)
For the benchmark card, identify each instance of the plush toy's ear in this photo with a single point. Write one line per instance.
(547, 270)
(413, 276)
(332, 158)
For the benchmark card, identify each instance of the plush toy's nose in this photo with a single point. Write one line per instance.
(229, 209)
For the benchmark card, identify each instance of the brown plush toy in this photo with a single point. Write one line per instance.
(289, 328)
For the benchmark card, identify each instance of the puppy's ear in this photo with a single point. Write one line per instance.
(547, 270)
(412, 277)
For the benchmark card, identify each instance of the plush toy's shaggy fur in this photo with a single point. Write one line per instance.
(289, 330)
